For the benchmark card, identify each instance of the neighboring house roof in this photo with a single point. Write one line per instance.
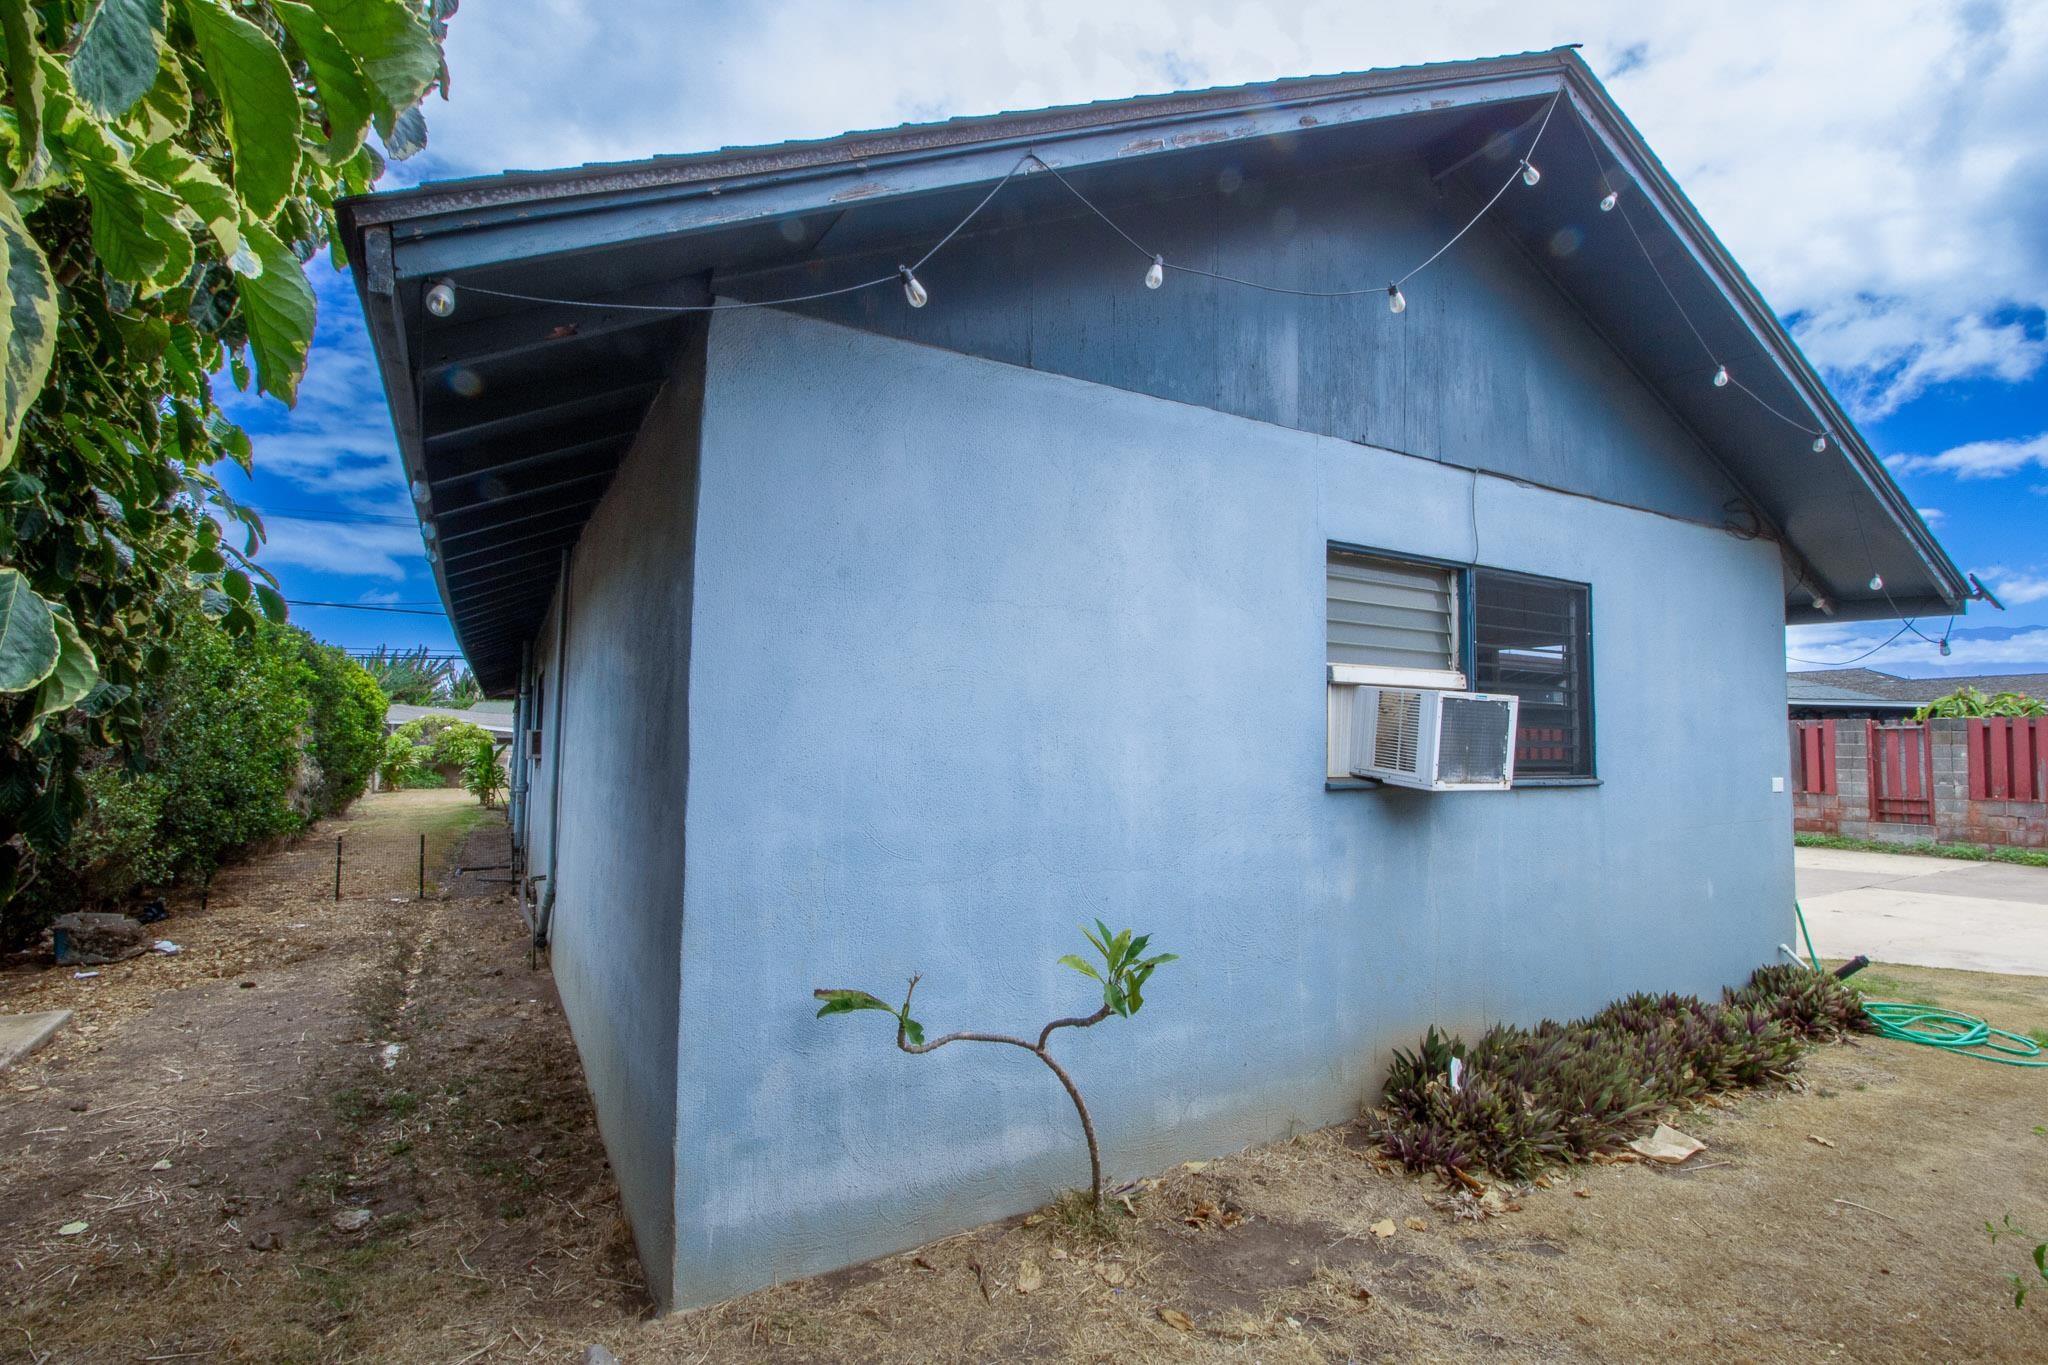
(1808, 692)
(496, 719)
(511, 415)
(1916, 691)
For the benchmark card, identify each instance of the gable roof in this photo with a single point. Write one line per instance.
(1917, 691)
(512, 414)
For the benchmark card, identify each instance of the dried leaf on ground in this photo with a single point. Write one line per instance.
(1177, 1320)
(1383, 1228)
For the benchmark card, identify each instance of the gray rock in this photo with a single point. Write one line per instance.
(598, 1355)
(351, 1220)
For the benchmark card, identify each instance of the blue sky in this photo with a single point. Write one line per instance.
(1879, 167)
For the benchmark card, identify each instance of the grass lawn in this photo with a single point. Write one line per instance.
(1979, 853)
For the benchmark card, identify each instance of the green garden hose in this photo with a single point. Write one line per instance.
(1950, 1030)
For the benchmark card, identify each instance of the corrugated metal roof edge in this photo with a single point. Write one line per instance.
(361, 211)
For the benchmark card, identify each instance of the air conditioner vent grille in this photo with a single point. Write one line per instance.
(1473, 743)
(1398, 735)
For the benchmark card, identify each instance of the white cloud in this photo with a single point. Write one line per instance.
(1883, 179)
(1979, 459)
(2016, 589)
(1863, 644)
(1933, 516)
(329, 547)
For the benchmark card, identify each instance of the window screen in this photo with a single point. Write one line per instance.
(1532, 638)
(1391, 615)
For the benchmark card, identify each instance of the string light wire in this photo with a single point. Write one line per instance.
(1524, 169)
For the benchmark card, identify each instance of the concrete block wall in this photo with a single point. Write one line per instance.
(1958, 818)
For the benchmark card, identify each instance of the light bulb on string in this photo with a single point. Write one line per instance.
(1877, 582)
(913, 291)
(1396, 303)
(1156, 274)
(419, 491)
(441, 298)
(1609, 200)
(1530, 175)
(1820, 443)
(1720, 376)
(1944, 646)
(1822, 605)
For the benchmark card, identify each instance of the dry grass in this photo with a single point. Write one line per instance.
(496, 1233)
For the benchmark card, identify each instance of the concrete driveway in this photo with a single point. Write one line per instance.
(1928, 912)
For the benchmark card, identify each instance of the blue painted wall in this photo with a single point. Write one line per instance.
(623, 746)
(1491, 367)
(979, 652)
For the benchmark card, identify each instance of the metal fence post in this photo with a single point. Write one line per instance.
(423, 867)
(337, 867)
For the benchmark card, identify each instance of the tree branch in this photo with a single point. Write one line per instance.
(1094, 1018)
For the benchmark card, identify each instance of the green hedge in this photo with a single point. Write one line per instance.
(246, 739)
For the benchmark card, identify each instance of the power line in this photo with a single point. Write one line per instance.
(392, 607)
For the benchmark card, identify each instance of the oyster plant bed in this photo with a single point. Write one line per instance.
(1521, 1099)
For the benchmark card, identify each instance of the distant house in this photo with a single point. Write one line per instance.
(853, 638)
(1867, 692)
(1811, 697)
(495, 717)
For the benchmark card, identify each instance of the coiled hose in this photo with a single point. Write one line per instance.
(1965, 1035)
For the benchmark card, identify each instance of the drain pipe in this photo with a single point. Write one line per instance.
(544, 918)
(516, 814)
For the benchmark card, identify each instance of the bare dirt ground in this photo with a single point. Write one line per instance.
(1841, 1221)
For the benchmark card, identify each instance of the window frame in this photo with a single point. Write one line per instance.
(1583, 642)
(1463, 678)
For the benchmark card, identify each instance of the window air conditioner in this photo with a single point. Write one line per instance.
(1433, 741)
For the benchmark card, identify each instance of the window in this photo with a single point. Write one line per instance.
(1532, 638)
(1405, 623)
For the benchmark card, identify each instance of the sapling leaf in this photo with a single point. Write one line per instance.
(846, 1002)
(912, 1030)
(1081, 965)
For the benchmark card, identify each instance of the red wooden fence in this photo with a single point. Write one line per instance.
(1901, 774)
(2008, 759)
(1813, 757)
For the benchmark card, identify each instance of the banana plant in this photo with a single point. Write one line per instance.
(1122, 975)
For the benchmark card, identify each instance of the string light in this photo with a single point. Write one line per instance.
(912, 289)
(1877, 582)
(441, 295)
(1823, 606)
(420, 491)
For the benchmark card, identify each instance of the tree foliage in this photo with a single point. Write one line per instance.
(245, 737)
(1969, 701)
(411, 677)
(482, 775)
(169, 168)
(347, 734)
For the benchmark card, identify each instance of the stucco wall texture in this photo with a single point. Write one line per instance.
(977, 653)
(624, 750)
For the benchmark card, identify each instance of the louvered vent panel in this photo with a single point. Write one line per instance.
(1398, 731)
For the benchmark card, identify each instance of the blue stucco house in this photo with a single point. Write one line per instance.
(852, 638)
